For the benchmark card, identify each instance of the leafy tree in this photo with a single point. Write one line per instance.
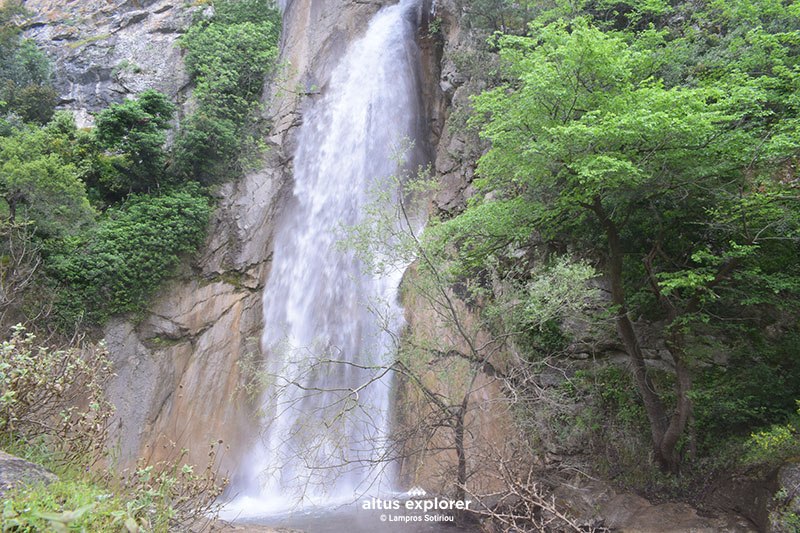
(135, 130)
(34, 103)
(205, 148)
(39, 181)
(24, 72)
(589, 151)
(456, 345)
(24, 64)
(496, 15)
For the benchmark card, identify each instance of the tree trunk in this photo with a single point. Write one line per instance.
(683, 410)
(462, 456)
(652, 403)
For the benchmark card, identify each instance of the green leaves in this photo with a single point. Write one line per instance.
(115, 267)
(24, 72)
(39, 181)
(60, 521)
(556, 292)
(135, 130)
(581, 119)
(96, 270)
(229, 57)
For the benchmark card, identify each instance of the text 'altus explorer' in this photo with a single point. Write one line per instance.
(415, 505)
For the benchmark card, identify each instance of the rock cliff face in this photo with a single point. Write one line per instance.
(106, 50)
(178, 368)
(184, 358)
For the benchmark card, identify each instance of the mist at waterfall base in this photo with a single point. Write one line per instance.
(328, 325)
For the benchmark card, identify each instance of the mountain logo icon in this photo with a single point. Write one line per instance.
(417, 492)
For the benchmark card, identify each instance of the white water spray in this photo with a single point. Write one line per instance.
(325, 437)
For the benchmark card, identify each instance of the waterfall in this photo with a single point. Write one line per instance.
(322, 443)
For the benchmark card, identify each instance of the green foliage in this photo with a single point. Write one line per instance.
(110, 267)
(775, 445)
(37, 386)
(8, 29)
(556, 290)
(24, 72)
(53, 412)
(52, 398)
(228, 55)
(618, 397)
(39, 180)
(156, 498)
(135, 131)
(581, 131)
(24, 64)
(34, 103)
(49, 175)
(206, 148)
(670, 184)
(544, 340)
(613, 423)
(496, 15)
(116, 266)
(745, 393)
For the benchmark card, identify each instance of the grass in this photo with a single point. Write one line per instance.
(153, 499)
(88, 40)
(75, 502)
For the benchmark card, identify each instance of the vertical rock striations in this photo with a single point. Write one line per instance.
(178, 368)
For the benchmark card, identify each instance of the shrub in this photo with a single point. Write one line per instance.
(115, 267)
(157, 498)
(39, 180)
(42, 391)
(228, 55)
(24, 72)
(34, 103)
(53, 412)
(777, 444)
(206, 146)
(732, 400)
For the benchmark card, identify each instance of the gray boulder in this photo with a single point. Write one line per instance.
(16, 472)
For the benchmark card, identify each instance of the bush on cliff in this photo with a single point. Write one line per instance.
(53, 412)
(117, 265)
(229, 55)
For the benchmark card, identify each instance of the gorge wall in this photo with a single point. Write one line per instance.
(183, 357)
(178, 372)
(178, 368)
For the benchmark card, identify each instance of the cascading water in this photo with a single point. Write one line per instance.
(324, 435)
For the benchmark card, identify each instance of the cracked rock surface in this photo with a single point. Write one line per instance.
(103, 51)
